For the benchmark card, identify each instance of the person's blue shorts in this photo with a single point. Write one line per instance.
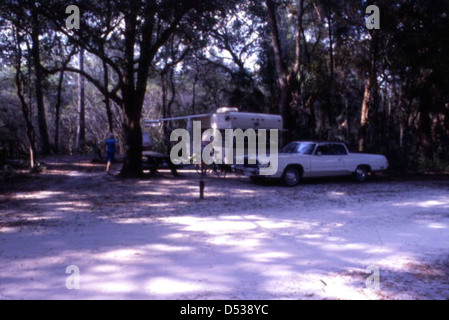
(110, 156)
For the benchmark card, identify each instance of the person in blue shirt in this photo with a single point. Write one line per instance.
(111, 149)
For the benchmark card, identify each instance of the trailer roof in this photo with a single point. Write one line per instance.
(149, 123)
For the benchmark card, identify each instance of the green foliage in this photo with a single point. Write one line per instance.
(221, 53)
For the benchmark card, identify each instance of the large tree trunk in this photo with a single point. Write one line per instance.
(81, 132)
(371, 94)
(288, 80)
(330, 91)
(285, 94)
(364, 116)
(58, 110)
(107, 101)
(132, 166)
(42, 119)
(133, 99)
(30, 132)
(376, 123)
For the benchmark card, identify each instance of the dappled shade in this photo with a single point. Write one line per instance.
(153, 239)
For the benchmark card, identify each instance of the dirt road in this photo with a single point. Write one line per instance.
(153, 239)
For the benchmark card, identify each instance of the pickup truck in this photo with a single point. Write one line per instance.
(308, 159)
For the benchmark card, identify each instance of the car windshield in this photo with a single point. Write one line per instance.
(302, 148)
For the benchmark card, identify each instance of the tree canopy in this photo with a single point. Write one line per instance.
(313, 61)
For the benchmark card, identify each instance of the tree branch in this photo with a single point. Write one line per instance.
(95, 82)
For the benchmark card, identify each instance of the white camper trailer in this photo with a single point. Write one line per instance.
(228, 119)
(231, 118)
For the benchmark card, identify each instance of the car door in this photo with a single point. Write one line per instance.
(341, 152)
(328, 161)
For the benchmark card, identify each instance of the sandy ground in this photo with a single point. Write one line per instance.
(153, 238)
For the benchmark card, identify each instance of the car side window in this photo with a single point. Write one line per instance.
(339, 150)
(331, 150)
(306, 148)
(323, 150)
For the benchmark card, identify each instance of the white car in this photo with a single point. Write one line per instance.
(310, 159)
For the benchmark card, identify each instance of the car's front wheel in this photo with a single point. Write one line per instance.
(292, 177)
